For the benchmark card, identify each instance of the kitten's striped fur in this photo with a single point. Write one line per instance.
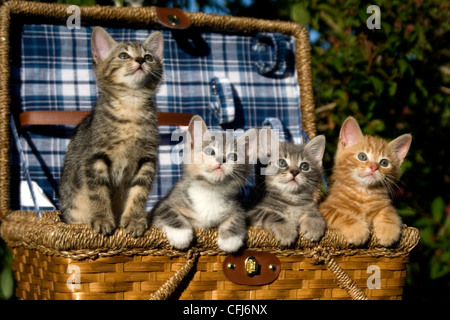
(111, 161)
(206, 195)
(365, 172)
(288, 202)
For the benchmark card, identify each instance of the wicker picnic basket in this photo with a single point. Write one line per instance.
(53, 260)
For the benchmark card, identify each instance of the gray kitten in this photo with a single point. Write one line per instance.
(288, 199)
(111, 161)
(206, 195)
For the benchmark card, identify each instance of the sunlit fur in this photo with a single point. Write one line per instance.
(115, 75)
(288, 202)
(359, 198)
(206, 195)
(110, 163)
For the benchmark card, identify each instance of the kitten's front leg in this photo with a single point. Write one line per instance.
(134, 218)
(284, 231)
(356, 231)
(177, 228)
(97, 180)
(232, 232)
(312, 224)
(387, 226)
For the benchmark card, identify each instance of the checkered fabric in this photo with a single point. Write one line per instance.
(233, 81)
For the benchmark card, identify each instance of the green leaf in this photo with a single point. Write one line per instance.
(339, 93)
(412, 99)
(426, 235)
(439, 270)
(386, 27)
(300, 14)
(392, 89)
(377, 84)
(377, 125)
(445, 257)
(419, 84)
(6, 283)
(438, 208)
(424, 222)
(402, 66)
(406, 212)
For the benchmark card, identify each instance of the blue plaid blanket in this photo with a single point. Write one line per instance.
(233, 81)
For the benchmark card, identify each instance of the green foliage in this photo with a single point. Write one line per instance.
(435, 234)
(6, 277)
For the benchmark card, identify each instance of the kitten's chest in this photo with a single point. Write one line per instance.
(367, 202)
(123, 137)
(126, 144)
(210, 206)
(373, 204)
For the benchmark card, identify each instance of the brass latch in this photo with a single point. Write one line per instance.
(251, 266)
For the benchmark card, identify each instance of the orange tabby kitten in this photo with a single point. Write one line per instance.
(365, 171)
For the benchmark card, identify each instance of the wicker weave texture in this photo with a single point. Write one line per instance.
(40, 276)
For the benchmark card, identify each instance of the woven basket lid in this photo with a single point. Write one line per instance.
(53, 237)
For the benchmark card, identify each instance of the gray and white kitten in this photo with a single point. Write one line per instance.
(111, 160)
(288, 199)
(206, 195)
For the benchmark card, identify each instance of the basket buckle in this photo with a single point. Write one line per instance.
(251, 266)
(172, 18)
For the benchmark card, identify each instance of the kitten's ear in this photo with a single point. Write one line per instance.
(401, 146)
(155, 43)
(316, 148)
(101, 44)
(198, 130)
(350, 132)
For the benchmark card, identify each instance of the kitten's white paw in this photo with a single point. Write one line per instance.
(230, 244)
(179, 238)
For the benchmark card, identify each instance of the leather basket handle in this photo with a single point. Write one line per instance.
(44, 118)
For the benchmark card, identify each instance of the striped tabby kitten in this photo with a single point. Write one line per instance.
(288, 202)
(365, 171)
(110, 162)
(206, 195)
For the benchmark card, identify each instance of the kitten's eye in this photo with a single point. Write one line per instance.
(304, 166)
(362, 156)
(148, 58)
(124, 56)
(282, 163)
(384, 163)
(232, 157)
(209, 151)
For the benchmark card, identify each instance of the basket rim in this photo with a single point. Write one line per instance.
(51, 236)
(130, 16)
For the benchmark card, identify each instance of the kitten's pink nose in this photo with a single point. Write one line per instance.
(373, 167)
(294, 172)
